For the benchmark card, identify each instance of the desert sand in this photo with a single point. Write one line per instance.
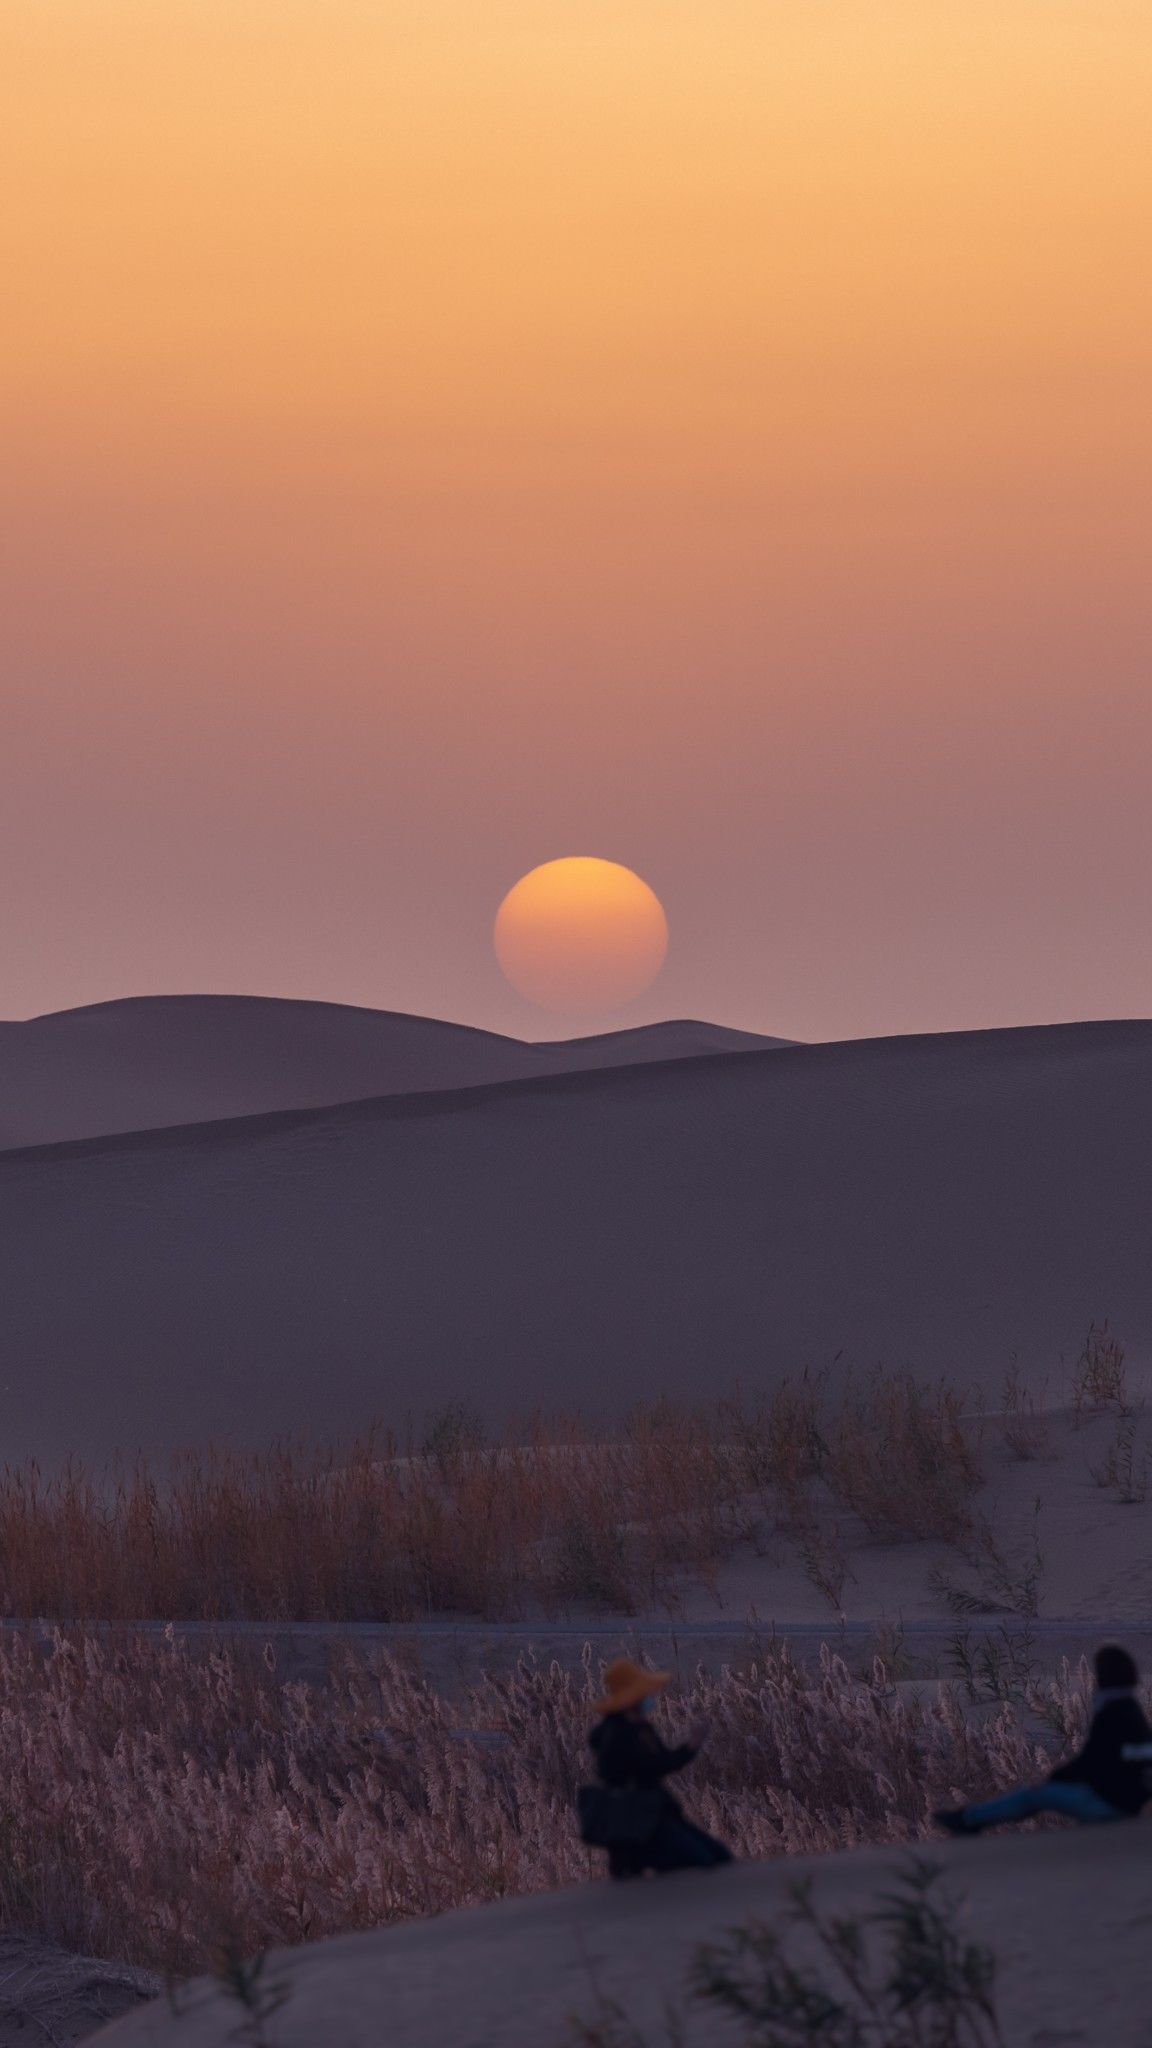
(582, 1239)
(151, 1061)
(512, 1976)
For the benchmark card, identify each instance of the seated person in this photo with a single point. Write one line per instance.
(1106, 1780)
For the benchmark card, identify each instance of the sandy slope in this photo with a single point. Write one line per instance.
(1067, 1914)
(156, 1060)
(587, 1239)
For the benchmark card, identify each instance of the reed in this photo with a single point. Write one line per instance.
(163, 1807)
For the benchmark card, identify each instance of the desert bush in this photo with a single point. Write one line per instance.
(825, 1565)
(1100, 1375)
(932, 1984)
(922, 1983)
(900, 1459)
(997, 1665)
(552, 1516)
(1006, 1581)
(1026, 1431)
(778, 1449)
(1123, 1470)
(164, 1807)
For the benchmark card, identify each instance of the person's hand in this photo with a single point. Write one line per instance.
(698, 1734)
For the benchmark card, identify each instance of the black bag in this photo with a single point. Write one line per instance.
(618, 1817)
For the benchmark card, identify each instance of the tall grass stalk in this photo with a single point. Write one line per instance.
(165, 1808)
(554, 1517)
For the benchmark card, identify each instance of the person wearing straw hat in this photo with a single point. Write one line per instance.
(635, 1817)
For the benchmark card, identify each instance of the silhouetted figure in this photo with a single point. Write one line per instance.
(1106, 1780)
(639, 1822)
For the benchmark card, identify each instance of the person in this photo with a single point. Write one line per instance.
(630, 1755)
(1105, 1780)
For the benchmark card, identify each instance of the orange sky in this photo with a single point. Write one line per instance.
(445, 435)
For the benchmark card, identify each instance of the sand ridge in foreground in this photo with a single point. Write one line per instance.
(1066, 1911)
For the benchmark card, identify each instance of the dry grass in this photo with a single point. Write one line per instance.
(1100, 1374)
(900, 1458)
(167, 1809)
(1025, 1427)
(550, 1519)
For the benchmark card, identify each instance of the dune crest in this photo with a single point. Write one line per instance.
(153, 1061)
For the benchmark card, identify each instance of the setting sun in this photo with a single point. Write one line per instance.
(581, 935)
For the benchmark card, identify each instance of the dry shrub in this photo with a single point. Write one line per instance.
(899, 1458)
(160, 1804)
(778, 1449)
(380, 1533)
(549, 1518)
(1100, 1375)
(1025, 1428)
(1124, 1468)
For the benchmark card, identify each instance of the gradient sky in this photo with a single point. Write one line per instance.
(441, 435)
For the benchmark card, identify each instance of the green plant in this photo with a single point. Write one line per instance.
(244, 1980)
(1005, 1584)
(900, 1976)
(931, 1985)
(1000, 1666)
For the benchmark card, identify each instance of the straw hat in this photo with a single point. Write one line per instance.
(628, 1684)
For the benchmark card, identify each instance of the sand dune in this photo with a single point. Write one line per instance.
(585, 1239)
(514, 1975)
(157, 1060)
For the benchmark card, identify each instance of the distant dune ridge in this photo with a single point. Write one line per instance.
(155, 1060)
(580, 1239)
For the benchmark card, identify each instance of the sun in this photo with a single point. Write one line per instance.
(581, 935)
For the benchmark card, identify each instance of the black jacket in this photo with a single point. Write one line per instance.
(1101, 1762)
(631, 1753)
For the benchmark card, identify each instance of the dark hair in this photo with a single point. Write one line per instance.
(1115, 1668)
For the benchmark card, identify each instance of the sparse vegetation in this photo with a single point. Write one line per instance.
(998, 1665)
(931, 1985)
(825, 1565)
(1124, 1469)
(1005, 1583)
(1026, 1431)
(1100, 1375)
(900, 1976)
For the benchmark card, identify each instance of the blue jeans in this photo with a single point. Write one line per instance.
(1075, 1802)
